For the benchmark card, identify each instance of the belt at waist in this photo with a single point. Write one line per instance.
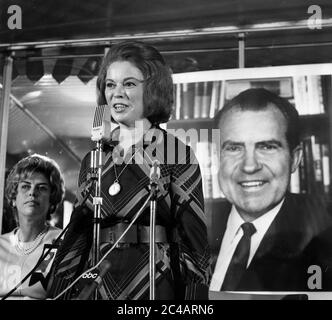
(135, 234)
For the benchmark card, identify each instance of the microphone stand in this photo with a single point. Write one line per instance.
(152, 237)
(154, 177)
(97, 165)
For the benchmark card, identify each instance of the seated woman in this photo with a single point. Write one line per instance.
(34, 189)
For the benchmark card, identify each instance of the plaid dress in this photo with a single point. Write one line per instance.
(182, 263)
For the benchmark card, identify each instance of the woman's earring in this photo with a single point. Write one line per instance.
(14, 203)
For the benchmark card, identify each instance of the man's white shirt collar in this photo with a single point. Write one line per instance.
(232, 236)
(261, 224)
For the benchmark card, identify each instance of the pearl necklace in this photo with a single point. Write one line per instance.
(26, 248)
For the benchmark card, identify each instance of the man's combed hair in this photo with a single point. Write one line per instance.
(259, 99)
(158, 83)
(37, 164)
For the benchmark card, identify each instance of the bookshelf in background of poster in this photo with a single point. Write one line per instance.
(200, 95)
(280, 86)
(313, 174)
(199, 100)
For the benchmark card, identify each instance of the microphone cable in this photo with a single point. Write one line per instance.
(108, 251)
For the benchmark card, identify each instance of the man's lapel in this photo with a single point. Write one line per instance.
(223, 213)
(284, 237)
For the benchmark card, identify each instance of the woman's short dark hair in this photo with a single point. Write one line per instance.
(158, 83)
(37, 164)
(258, 99)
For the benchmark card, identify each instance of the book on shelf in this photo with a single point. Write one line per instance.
(317, 159)
(308, 94)
(309, 165)
(177, 103)
(302, 176)
(187, 101)
(206, 153)
(300, 95)
(198, 99)
(217, 97)
(313, 174)
(295, 181)
(214, 98)
(222, 95)
(325, 167)
(215, 163)
(206, 99)
(315, 94)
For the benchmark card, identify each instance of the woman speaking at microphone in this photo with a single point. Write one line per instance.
(136, 84)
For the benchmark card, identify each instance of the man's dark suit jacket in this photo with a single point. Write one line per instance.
(289, 247)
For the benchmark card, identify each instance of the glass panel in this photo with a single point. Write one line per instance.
(52, 118)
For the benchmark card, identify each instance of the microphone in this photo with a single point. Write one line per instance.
(155, 172)
(101, 126)
(89, 289)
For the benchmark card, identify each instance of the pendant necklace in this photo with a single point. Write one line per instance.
(115, 187)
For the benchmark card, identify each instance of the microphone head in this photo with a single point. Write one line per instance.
(105, 265)
(155, 170)
(101, 126)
